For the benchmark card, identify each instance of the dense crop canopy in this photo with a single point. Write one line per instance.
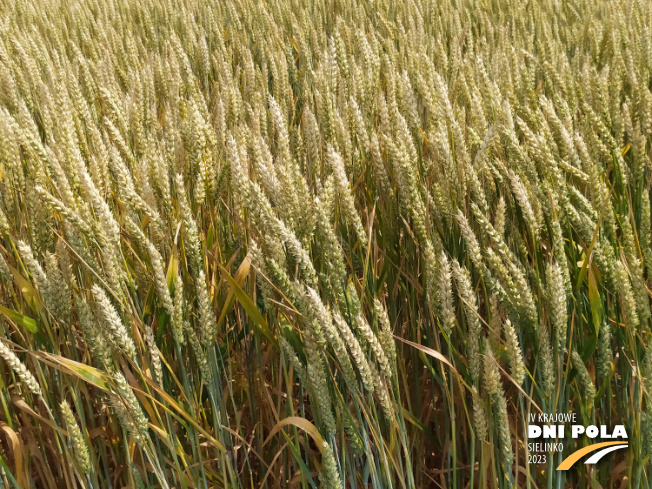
(330, 243)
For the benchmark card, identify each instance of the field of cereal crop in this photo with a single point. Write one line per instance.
(323, 243)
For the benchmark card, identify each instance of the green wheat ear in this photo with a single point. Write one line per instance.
(78, 442)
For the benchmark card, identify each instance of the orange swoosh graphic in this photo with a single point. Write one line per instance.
(575, 456)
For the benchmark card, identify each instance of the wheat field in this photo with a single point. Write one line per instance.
(322, 243)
